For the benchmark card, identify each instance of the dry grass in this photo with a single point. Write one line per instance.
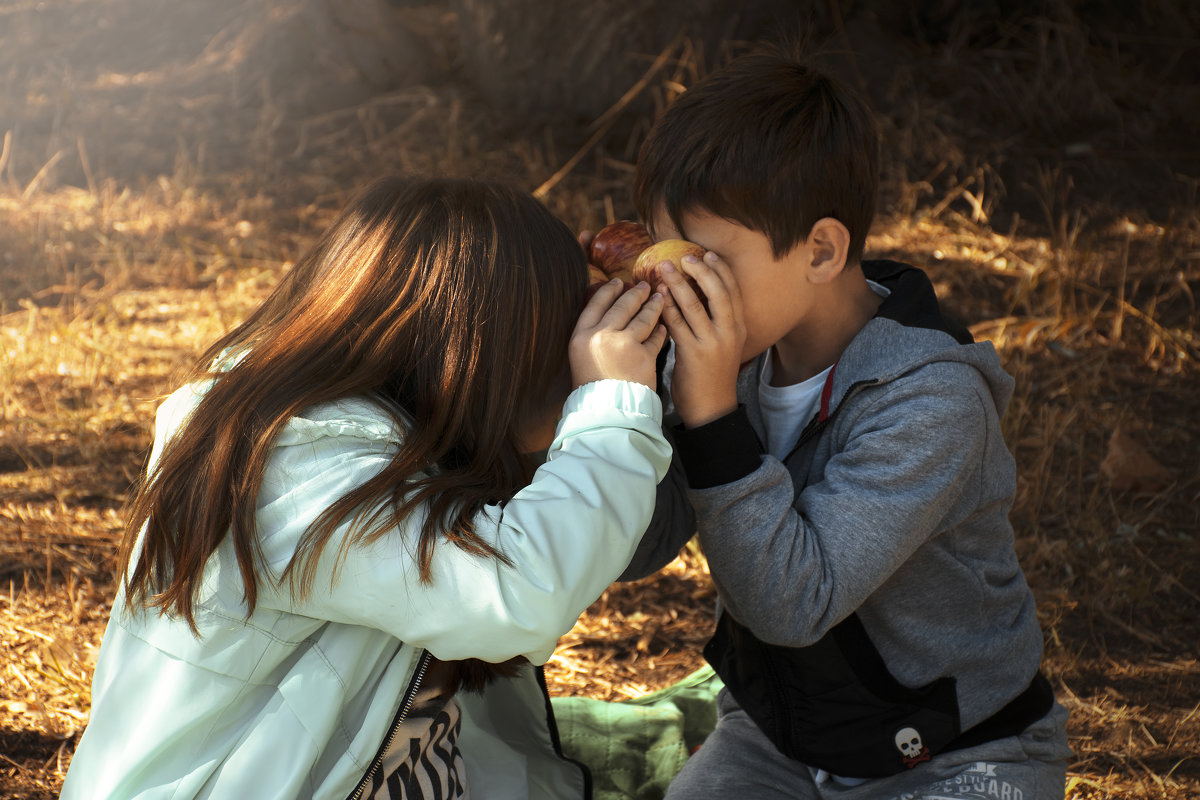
(110, 284)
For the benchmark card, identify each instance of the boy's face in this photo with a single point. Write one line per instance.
(775, 299)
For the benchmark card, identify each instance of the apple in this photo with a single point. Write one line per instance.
(673, 250)
(616, 247)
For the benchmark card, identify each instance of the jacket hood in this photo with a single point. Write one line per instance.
(909, 331)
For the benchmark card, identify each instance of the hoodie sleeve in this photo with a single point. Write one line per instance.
(673, 524)
(791, 566)
(567, 535)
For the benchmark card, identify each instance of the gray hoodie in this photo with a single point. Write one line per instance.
(892, 507)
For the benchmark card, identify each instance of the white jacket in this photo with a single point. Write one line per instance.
(294, 701)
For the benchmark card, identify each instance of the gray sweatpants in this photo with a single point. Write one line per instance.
(738, 761)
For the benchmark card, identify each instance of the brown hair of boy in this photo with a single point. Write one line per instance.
(451, 301)
(766, 142)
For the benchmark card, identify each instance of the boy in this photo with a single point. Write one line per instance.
(843, 452)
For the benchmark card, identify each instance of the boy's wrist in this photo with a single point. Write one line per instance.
(700, 408)
(720, 451)
(694, 419)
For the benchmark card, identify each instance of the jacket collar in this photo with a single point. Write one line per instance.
(909, 330)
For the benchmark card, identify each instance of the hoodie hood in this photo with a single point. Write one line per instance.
(910, 331)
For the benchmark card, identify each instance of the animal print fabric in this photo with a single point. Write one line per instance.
(423, 761)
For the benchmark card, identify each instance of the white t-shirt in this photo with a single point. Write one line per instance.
(786, 410)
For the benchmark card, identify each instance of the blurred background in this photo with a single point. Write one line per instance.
(163, 162)
(280, 91)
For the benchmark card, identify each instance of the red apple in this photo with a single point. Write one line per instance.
(616, 247)
(673, 250)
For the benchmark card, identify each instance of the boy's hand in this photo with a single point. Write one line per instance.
(708, 344)
(618, 335)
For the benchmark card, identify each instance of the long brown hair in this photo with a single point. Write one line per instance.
(450, 299)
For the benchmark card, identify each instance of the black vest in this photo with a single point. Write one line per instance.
(834, 704)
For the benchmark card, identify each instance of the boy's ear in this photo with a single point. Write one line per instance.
(829, 246)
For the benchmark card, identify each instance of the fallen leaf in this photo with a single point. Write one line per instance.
(1128, 465)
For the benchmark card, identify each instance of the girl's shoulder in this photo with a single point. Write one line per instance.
(349, 417)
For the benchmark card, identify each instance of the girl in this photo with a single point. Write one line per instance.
(342, 563)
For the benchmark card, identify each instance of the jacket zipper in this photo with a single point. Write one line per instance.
(410, 697)
(818, 425)
(555, 741)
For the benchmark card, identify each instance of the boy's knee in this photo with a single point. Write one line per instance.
(737, 761)
(711, 778)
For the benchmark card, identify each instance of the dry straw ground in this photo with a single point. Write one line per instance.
(1042, 166)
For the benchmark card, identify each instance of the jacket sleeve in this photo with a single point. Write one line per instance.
(792, 566)
(567, 535)
(673, 523)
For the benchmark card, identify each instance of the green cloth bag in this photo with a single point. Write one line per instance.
(635, 747)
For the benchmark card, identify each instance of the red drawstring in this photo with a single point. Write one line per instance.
(826, 392)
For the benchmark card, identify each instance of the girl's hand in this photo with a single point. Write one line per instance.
(618, 335)
(708, 343)
(585, 238)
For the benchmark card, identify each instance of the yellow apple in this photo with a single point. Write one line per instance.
(646, 268)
